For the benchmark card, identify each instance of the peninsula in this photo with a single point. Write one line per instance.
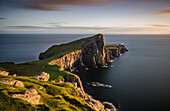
(50, 83)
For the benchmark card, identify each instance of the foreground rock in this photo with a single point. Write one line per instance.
(43, 76)
(110, 106)
(97, 84)
(4, 73)
(31, 95)
(12, 82)
(30, 91)
(75, 80)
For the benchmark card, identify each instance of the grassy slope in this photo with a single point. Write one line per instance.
(61, 96)
(54, 96)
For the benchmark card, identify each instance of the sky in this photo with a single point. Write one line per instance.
(84, 16)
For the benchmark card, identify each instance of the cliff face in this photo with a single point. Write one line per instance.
(69, 61)
(91, 55)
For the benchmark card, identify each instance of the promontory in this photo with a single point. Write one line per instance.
(50, 83)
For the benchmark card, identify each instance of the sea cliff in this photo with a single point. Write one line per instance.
(49, 82)
(93, 53)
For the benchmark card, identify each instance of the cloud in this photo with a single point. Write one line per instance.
(58, 27)
(54, 4)
(159, 25)
(83, 29)
(1, 18)
(164, 12)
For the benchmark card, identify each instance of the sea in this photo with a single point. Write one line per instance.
(140, 78)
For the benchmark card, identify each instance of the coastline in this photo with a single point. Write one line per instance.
(70, 61)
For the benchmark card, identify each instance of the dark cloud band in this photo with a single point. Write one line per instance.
(164, 12)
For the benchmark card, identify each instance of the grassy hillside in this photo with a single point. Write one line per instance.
(54, 96)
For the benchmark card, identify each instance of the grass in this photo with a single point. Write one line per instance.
(110, 46)
(54, 96)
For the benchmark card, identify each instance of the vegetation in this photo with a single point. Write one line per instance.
(54, 96)
(110, 46)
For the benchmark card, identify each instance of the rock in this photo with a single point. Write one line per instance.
(97, 84)
(40, 87)
(75, 80)
(30, 91)
(75, 84)
(4, 73)
(12, 82)
(19, 84)
(109, 106)
(96, 104)
(33, 99)
(9, 82)
(12, 88)
(107, 109)
(14, 75)
(60, 81)
(43, 76)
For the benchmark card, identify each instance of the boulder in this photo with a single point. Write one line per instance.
(30, 91)
(4, 73)
(14, 75)
(19, 84)
(33, 99)
(12, 82)
(9, 82)
(43, 76)
(110, 106)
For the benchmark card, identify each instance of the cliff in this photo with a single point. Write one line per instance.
(91, 53)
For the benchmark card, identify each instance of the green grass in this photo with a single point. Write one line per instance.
(54, 96)
(110, 46)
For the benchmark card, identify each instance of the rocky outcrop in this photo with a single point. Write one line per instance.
(75, 80)
(31, 95)
(97, 84)
(69, 61)
(110, 106)
(43, 76)
(12, 82)
(30, 91)
(4, 73)
(97, 105)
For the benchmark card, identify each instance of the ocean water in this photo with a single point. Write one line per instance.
(140, 78)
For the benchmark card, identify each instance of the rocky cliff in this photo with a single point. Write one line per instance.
(92, 53)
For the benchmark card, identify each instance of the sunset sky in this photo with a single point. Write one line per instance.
(85, 16)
